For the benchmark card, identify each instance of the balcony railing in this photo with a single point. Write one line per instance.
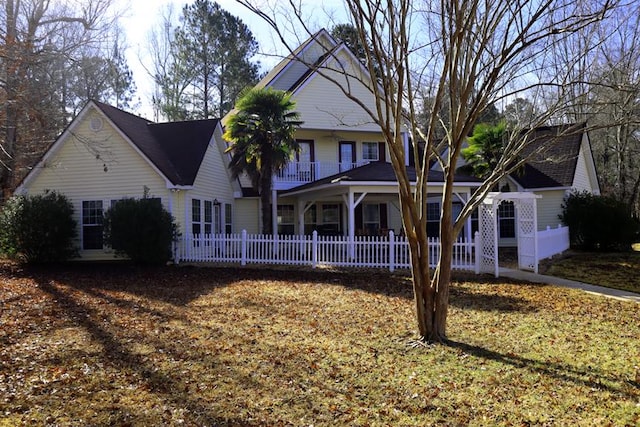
(297, 173)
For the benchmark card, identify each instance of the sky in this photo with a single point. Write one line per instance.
(140, 17)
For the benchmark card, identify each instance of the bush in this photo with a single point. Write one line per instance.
(38, 229)
(598, 222)
(140, 229)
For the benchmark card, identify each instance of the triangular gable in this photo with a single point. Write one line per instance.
(173, 150)
(324, 105)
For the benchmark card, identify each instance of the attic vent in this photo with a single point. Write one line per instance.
(95, 124)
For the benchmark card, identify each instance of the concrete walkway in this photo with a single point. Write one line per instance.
(557, 281)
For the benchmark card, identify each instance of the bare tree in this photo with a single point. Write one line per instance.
(169, 71)
(616, 108)
(464, 55)
(38, 39)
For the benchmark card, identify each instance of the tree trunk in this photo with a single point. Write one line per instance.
(265, 195)
(7, 148)
(442, 277)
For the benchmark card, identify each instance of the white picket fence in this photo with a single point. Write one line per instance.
(552, 241)
(391, 252)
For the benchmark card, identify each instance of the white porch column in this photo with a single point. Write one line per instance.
(274, 212)
(301, 211)
(352, 223)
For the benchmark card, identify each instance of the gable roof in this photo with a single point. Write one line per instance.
(176, 149)
(293, 57)
(554, 152)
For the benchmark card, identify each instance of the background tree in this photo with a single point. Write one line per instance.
(261, 137)
(170, 71)
(40, 42)
(348, 34)
(200, 66)
(464, 55)
(616, 108)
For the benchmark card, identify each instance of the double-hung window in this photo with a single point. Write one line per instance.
(506, 220)
(196, 217)
(371, 219)
(433, 219)
(370, 151)
(208, 217)
(228, 218)
(286, 219)
(92, 224)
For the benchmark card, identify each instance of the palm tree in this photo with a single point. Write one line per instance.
(261, 136)
(484, 149)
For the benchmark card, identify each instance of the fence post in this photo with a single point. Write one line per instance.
(243, 245)
(314, 249)
(477, 254)
(392, 251)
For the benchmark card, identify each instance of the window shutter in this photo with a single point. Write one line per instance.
(383, 215)
(382, 155)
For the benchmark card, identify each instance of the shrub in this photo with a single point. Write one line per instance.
(38, 229)
(598, 222)
(140, 229)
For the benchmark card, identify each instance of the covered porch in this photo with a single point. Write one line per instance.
(361, 202)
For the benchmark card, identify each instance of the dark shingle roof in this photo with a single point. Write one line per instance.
(554, 152)
(379, 172)
(176, 149)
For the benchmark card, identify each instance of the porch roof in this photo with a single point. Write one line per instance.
(376, 173)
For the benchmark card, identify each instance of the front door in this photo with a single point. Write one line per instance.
(305, 161)
(347, 155)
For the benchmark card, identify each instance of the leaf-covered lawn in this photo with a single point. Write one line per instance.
(117, 345)
(618, 270)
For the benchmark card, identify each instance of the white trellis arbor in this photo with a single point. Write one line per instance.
(526, 228)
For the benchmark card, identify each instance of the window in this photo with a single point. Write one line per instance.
(506, 220)
(371, 219)
(286, 219)
(196, 217)
(228, 218)
(370, 151)
(208, 217)
(92, 224)
(346, 155)
(330, 220)
(433, 219)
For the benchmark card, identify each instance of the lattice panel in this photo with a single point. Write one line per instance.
(487, 228)
(526, 234)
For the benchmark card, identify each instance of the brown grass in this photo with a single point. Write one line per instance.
(117, 345)
(619, 270)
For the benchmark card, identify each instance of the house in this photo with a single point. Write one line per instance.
(341, 180)
(106, 154)
(339, 184)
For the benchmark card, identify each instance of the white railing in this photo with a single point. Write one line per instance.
(552, 241)
(390, 252)
(301, 172)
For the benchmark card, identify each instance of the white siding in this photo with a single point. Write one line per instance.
(246, 215)
(326, 143)
(584, 180)
(212, 182)
(323, 105)
(549, 207)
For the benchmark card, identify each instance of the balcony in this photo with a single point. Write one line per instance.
(298, 173)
